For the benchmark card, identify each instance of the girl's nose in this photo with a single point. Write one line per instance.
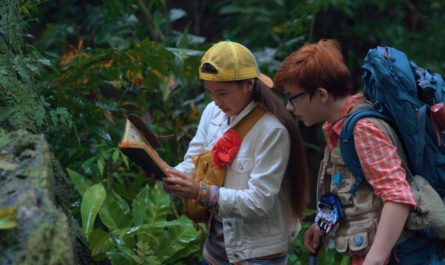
(217, 100)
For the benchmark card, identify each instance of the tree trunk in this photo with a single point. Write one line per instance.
(31, 179)
(19, 105)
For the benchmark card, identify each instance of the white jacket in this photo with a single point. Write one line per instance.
(257, 216)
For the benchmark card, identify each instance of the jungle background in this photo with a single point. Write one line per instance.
(76, 68)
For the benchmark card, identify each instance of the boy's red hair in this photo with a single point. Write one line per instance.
(316, 65)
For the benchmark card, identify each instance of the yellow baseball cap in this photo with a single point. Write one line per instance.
(232, 61)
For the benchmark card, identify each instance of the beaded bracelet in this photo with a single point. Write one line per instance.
(208, 196)
(198, 197)
(203, 195)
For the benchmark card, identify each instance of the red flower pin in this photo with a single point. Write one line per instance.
(226, 148)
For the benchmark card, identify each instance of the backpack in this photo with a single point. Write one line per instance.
(402, 94)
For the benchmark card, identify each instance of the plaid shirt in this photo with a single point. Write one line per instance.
(380, 162)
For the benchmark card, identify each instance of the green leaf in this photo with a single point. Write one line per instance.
(345, 260)
(150, 206)
(174, 243)
(8, 218)
(135, 185)
(146, 233)
(114, 214)
(121, 256)
(81, 183)
(100, 242)
(100, 165)
(92, 201)
(125, 158)
(115, 155)
(154, 228)
(121, 189)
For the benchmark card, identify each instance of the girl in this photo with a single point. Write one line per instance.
(257, 211)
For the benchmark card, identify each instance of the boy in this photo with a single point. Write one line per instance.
(318, 85)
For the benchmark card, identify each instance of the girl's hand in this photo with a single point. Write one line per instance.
(180, 184)
(315, 238)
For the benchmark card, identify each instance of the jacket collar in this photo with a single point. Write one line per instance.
(247, 109)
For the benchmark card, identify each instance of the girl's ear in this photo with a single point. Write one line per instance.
(251, 84)
(322, 94)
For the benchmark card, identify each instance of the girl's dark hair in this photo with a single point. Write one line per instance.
(296, 175)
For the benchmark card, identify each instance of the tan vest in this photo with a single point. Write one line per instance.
(361, 211)
(356, 232)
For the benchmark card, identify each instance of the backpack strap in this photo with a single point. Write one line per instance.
(347, 145)
(420, 140)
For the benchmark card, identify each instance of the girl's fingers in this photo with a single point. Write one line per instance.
(175, 181)
(175, 184)
(180, 184)
(173, 188)
(176, 173)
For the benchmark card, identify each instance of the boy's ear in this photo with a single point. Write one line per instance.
(322, 94)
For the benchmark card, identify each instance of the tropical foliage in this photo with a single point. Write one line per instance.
(96, 61)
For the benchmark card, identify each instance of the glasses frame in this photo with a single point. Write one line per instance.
(291, 98)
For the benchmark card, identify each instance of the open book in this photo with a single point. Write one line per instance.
(138, 143)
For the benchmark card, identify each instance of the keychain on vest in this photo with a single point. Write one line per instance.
(329, 214)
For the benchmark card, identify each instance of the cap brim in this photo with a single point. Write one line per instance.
(266, 80)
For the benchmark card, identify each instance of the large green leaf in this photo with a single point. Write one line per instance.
(121, 256)
(115, 213)
(92, 201)
(174, 243)
(82, 183)
(151, 206)
(155, 228)
(134, 187)
(8, 218)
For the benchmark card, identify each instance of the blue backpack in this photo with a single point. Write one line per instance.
(402, 94)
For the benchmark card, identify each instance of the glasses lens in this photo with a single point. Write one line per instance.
(291, 98)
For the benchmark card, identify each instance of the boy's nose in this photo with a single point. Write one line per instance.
(289, 106)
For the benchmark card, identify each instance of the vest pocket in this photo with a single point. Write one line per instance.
(355, 238)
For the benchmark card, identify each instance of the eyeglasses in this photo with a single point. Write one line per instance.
(291, 98)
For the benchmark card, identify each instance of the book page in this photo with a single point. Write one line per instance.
(132, 134)
(137, 147)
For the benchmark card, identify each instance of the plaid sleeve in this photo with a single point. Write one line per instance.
(381, 164)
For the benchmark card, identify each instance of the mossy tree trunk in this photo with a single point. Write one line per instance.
(31, 179)
(19, 104)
